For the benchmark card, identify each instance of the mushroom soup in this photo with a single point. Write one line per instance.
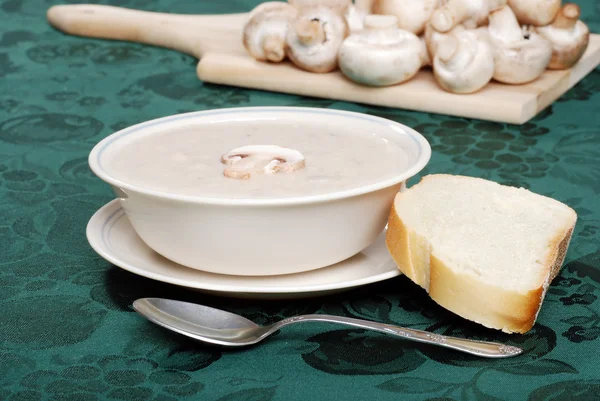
(251, 159)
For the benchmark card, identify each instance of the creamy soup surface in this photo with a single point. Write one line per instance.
(187, 161)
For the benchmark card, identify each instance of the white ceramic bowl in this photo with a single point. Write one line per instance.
(245, 236)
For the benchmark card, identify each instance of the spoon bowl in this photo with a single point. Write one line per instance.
(199, 322)
(224, 328)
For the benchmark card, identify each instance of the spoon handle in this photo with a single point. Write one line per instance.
(479, 348)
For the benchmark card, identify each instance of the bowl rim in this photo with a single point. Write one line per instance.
(94, 158)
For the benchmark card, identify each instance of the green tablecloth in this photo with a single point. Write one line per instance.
(67, 329)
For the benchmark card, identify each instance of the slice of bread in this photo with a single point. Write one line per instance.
(482, 250)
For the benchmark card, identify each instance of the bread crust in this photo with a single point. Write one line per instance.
(461, 293)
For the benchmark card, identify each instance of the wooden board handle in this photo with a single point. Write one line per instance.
(191, 34)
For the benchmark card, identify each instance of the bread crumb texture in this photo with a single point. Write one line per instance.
(482, 250)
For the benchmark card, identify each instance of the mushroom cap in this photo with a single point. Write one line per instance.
(520, 55)
(471, 13)
(464, 63)
(381, 54)
(313, 40)
(269, 6)
(523, 61)
(246, 161)
(483, 33)
(569, 37)
(433, 37)
(264, 33)
(535, 12)
(567, 47)
(412, 14)
(338, 6)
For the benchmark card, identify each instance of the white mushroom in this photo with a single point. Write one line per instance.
(433, 37)
(242, 163)
(520, 56)
(569, 37)
(463, 63)
(356, 13)
(471, 12)
(266, 7)
(412, 14)
(483, 32)
(535, 12)
(381, 54)
(355, 19)
(313, 40)
(338, 6)
(264, 33)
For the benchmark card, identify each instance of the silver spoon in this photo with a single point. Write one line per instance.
(224, 328)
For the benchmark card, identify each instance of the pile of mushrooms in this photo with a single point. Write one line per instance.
(467, 43)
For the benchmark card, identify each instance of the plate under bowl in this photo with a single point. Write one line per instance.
(111, 235)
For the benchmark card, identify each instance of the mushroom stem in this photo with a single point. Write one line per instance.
(274, 48)
(455, 12)
(504, 25)
(245, 166)
(567, 17)
(433, 37)
(568, 35)
(310, 31)
(355, 19)
(443, 19)
(457, 54)
(448, 48)
(364, 6)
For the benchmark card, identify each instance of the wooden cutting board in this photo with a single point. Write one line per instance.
(216, 41)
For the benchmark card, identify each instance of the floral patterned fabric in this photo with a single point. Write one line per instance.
(67, 329)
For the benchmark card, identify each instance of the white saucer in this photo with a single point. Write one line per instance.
(111, 235)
